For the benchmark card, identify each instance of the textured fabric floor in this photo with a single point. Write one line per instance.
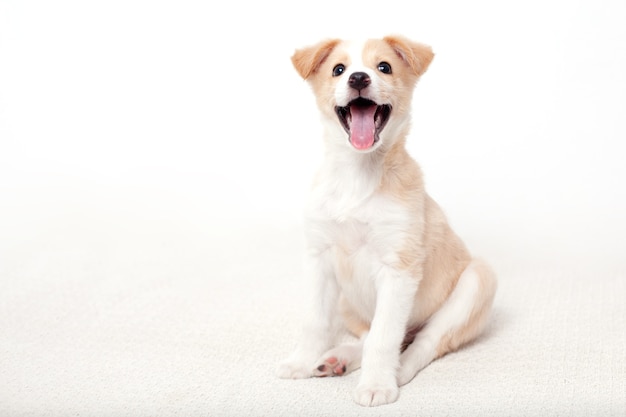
(107, 312)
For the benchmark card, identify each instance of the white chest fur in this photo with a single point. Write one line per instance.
(357, 229)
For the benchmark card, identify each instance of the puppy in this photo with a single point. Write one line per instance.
(382, 258)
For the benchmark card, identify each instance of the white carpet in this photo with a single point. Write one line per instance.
(128, 309)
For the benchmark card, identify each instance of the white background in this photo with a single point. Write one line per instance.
(191, 108)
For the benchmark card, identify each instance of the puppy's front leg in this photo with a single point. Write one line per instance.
(321, 324)
(381, 353)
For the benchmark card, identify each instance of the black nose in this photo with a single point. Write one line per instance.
(359, 80)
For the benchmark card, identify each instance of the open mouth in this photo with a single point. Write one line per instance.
(363, 119)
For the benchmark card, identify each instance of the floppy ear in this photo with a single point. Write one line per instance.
(416, 55)
(308, 60)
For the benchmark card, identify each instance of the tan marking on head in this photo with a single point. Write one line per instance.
(308, 60)
(418, 56)
(408, 61)
(315, 64)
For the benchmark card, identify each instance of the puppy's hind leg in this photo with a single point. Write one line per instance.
(460, 319)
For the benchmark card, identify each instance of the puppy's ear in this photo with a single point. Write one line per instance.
(416, 55)
(308, 60)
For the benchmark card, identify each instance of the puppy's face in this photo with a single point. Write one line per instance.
(364, 89)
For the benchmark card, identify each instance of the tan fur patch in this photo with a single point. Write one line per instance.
(432, 253)
(417, 55)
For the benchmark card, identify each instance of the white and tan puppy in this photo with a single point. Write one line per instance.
(382, 258)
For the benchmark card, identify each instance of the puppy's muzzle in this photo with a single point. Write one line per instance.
(362, 118)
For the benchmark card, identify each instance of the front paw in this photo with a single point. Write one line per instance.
(371, 395)
(294, 369)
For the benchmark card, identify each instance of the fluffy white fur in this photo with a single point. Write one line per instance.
(382, 259)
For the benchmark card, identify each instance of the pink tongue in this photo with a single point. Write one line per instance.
(362, 127)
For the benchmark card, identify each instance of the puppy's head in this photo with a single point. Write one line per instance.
(364, 88)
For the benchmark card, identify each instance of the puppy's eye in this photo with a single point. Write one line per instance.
(338, 70)
(384, 67)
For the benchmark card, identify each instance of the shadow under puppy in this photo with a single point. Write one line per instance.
(381, 256)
